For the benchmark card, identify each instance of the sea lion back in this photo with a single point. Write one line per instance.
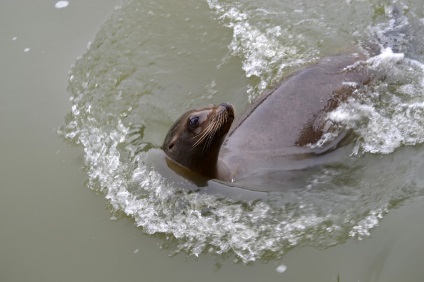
(275, 129)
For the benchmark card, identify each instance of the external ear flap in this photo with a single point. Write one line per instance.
(172, 143)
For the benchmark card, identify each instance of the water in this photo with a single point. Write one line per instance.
(153, 60)
(355, 219)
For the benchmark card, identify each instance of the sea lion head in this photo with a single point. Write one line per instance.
(195, 138)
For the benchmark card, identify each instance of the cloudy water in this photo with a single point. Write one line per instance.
(151, 61)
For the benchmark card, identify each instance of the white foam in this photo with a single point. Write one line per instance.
(362, 229)
(198, 222)
(387, 59)
(388, 115)
(259, 47)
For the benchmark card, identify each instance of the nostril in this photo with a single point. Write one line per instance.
(225, 105)
(227, 108)
(171, 146)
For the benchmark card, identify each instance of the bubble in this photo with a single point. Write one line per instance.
(61, 4)
(281, 268)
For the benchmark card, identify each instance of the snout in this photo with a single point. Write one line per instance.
(228, 108)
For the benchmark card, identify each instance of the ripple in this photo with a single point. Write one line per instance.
(128, 86)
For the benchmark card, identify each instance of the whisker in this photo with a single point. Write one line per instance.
(203, 134)
(208, 143)
(208, 134)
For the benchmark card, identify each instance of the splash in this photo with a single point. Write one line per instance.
(390, 114)
(122, 90)
(263, 55)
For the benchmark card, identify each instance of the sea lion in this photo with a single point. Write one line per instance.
(278, 133)
(273, 134)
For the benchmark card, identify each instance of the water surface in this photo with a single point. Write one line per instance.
(356, 219)
(153, 60)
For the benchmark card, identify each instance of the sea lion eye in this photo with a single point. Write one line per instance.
(193, 121)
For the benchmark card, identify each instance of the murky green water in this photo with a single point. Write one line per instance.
(356, 219)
